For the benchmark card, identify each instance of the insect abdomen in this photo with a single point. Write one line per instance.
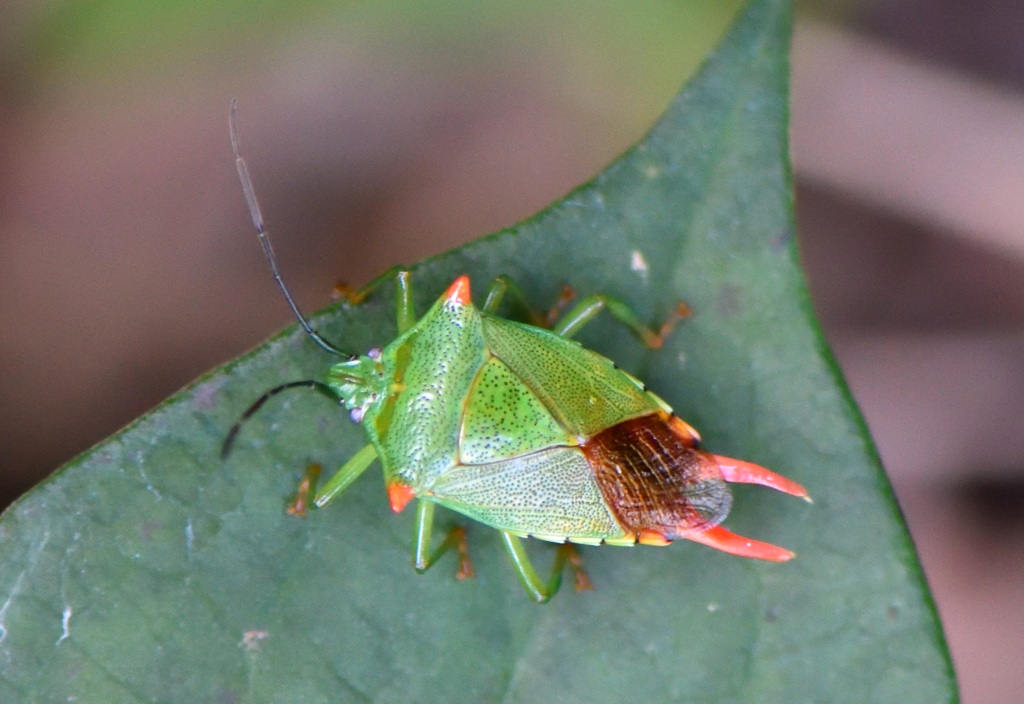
(655, 481)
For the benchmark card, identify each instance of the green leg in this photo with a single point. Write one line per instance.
(356, 296)
(496, 294)
(503, 284)
(348, 473)
(537, 589)
(496, 291)
(584, 311)
(405, 313)
(423, 558)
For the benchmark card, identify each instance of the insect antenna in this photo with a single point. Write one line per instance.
(317, 386)
(261, 232)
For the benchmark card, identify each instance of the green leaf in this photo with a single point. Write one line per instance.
(149, 570)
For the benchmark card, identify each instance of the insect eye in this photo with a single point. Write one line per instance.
(374, 353)
(356, 414)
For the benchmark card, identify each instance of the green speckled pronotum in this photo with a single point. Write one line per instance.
(522, 429)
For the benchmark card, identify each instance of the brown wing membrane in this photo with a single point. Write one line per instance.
(655, 481)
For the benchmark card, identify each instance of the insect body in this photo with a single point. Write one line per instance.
(524, 430)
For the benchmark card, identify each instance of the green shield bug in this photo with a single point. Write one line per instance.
(522, 429)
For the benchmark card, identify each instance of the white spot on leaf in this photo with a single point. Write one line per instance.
(65, 624)
(251, 639)
(638, 263)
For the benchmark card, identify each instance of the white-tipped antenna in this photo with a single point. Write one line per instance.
(261, 231)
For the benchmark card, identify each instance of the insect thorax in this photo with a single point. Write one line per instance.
(410, 398)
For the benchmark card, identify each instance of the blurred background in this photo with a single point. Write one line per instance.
(382, 131)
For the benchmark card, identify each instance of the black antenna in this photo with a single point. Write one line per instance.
(261, 231)
(324, 389)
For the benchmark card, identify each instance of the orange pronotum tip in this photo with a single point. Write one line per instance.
(458, 292)
(399, 495)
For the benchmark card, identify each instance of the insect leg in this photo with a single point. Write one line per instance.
(727, 541)
(423, 558)
(348, 473)
(531, 581)
(405, 313)
(355, 296)
(585, 311)
(307, 486)
(496, 294)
